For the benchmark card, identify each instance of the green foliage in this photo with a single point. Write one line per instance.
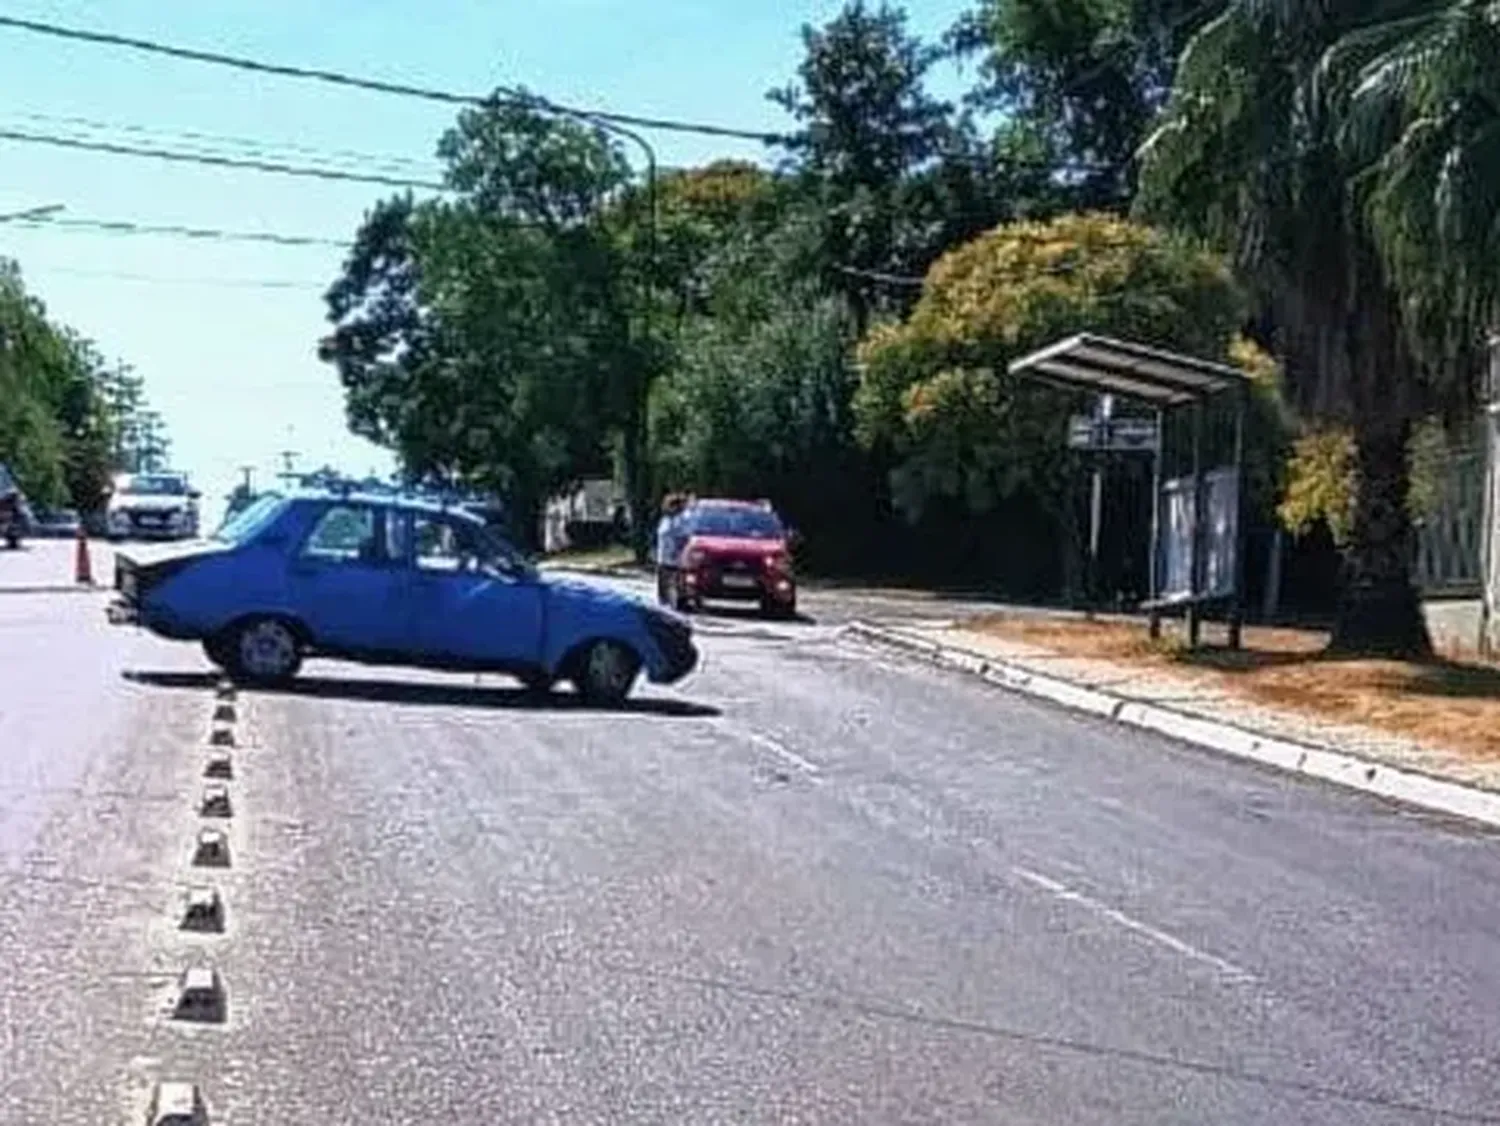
(541, 325)
(63, 430)
(755, 400)
(935, 392)
(890, 174)
(1347, 155)
(488, 340)
(750, 409)
(1321, 482)
(1417, 96)
(1080, 81)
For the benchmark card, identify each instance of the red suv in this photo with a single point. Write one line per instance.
(736, 551)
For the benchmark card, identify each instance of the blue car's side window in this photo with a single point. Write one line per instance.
(444, 546)
(348, 533)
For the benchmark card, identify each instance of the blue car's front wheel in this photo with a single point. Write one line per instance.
(605, 672)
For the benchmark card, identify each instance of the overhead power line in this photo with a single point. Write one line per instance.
(256, 147)
(161, 279)
(336, 78)
(217, 161)
(31, 214)
(207, 234)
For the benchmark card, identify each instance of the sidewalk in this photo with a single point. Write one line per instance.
(1203, 706)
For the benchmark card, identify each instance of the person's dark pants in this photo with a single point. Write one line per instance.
(666, 585)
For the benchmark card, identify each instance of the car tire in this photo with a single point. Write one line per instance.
(538, 684)
(780, 611)
(265, 651)
(219, 650)
(605, 672)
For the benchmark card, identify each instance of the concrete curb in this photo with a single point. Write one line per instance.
(1342, 769)
(621, 572)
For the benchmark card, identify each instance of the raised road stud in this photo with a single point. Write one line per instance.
(215, 801)
(212, 850)
(219, 765)
(203, 911)
(221, 737)
(224, 713)
(200, 996)
(177, 1104)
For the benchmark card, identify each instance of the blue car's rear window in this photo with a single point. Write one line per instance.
(249, 521)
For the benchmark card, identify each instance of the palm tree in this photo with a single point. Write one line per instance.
(1314, 140)
(1420, 118)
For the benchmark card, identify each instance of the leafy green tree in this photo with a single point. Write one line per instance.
(878, 156)
(489, 339)
(1078, 84)
(59, 425)
(383, 337)
(31, 439)
(1291, 140)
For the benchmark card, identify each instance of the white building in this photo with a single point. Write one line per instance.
(594, 501)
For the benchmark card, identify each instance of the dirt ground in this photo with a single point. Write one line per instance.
(1447, 702)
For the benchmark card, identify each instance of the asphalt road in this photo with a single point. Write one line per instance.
(818, 884)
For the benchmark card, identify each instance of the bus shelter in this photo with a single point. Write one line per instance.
(1188, 415)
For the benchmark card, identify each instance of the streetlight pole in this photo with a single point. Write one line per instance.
(635, 440)
(635, 420)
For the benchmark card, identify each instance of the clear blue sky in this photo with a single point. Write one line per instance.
(230, 360)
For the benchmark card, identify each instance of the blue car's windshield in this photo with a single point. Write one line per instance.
(248, 521)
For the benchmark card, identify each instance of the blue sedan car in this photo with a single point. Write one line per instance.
(394, 581)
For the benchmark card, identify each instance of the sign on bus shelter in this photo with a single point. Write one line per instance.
(1113, 435)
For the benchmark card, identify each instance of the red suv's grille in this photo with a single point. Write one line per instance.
(742, 564)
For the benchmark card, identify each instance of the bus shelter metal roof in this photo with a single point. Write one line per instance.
(1120, 367)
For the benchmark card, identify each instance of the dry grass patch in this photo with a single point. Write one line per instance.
(1447, 703)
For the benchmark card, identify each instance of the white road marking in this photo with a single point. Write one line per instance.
(786, 754)
(1136, 926)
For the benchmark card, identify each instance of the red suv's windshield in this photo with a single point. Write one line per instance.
(735, 523)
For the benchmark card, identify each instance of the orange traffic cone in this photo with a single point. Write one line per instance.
(83, 571)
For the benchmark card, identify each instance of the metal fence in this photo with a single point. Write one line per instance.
(1450, 538)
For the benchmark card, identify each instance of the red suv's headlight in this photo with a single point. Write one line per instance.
(779, 561)
(693, 557)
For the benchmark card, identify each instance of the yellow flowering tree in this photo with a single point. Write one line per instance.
(935, 399)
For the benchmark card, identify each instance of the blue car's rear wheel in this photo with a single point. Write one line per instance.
(220, 650)
(605, 672)
(265, 651)
(537, 682)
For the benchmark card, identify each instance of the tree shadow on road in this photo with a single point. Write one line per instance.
(429, 694)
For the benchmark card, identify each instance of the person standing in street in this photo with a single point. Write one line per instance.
(668, 547)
